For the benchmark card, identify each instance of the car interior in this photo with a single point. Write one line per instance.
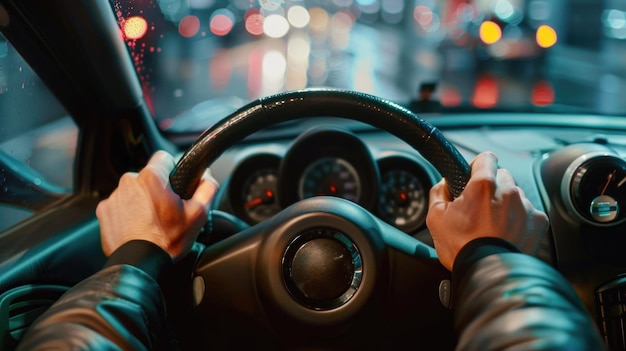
(305, 175)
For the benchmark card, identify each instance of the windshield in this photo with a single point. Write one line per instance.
(200, 59)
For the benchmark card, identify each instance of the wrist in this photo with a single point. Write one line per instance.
(143, 254)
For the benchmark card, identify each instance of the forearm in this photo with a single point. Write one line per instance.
(506, 301)
(118, 307)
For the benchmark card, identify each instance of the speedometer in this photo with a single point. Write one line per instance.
(330, 176)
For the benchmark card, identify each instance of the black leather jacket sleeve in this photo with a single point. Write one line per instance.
(505, 300)
(119, 308)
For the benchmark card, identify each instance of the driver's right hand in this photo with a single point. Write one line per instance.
(491, 205)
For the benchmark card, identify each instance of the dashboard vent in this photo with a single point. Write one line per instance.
(19, 307)
(611, 299)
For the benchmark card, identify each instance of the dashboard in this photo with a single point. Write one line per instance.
(575, 175)
(331, 161)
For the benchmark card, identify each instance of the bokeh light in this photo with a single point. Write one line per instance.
(542, 94)
(222, 22)
(298, 16)
(319, 20)
(490, 32)
(253, 21)
(546, 36)
(486, 92)
(275, 26)
(189, 26)
(135, 27)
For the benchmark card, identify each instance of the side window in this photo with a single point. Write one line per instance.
(37, 142)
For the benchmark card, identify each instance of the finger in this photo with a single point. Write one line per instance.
(206, 190)
(504, 178)
(161, 164)
(439, 193)
(485, 165)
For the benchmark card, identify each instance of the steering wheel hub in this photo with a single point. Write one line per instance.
(322, 269)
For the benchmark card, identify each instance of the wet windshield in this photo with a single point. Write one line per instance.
(211, 56)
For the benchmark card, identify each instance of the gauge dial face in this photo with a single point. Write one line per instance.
(259, 195)
(330, 176)
(598, 190)
(402, 201)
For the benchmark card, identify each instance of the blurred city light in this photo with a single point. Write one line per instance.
(504, 10)
(341, 24)
(274, 68)
(319, 20)
(486, 92)
(423, 15)
(222, 22)
(392, 11)
(449, 96)
(254, 22)
(135, 27)
(298, 50)
(614, 23)
(546, 36)
(189, 26)
(542, 94)
(275, 26)
(490, 32)
(298, 16)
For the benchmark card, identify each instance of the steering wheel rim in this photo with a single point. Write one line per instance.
(362, 107)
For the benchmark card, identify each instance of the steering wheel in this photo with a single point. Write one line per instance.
(324, 272)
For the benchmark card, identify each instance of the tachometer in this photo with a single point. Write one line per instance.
(259, 195)
(403, 201)
(330, 176)
(252, 188)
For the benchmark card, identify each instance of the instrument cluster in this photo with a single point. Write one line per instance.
(328, 161)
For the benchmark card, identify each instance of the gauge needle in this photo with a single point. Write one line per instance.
(259, 200)
(253, 202)
(608, 180)
(621, 182)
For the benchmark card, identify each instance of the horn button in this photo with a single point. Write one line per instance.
(322, 269)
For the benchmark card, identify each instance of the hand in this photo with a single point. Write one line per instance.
(144, 207)
(491, 205)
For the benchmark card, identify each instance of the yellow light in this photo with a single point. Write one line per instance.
(135, 27)
(546, 36)
(490, 32)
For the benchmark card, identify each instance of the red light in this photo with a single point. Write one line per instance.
(254, 22)
(269, 194)
(189, 26)
(543, 94)
(220, 70)
(449, 96)
(485, 92)
(221, 25)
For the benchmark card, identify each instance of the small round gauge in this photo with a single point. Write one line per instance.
(402, 201)
(597, 189)
(259, 195)
(330, 176)
(252, 188)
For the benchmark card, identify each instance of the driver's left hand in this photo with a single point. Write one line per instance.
(144, 207)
